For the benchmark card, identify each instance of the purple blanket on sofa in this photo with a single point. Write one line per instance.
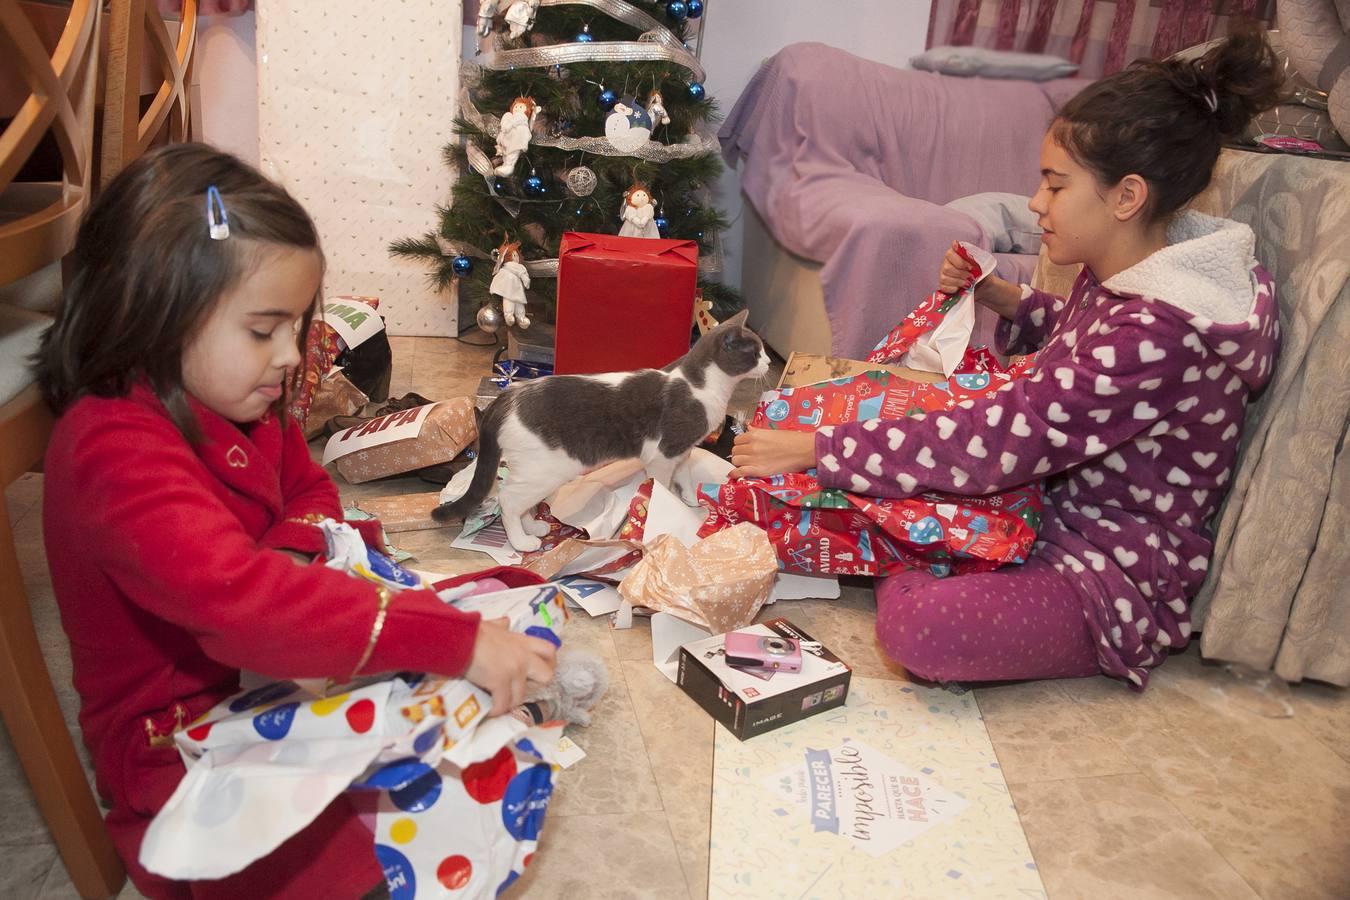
(849, 161)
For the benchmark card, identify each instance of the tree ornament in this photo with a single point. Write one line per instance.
(514, 136)
(534, 185)
(608, 98)
(486, 10)
(638, 214)
(500, 185)
(656, 108)
(662, 225)
(696, 91)
(520, 17)
(695, 8)
(585, 36)
(509, 282)
(462, 265)
(677, 10)
(581, 181)
(628, 127)
(489, 319)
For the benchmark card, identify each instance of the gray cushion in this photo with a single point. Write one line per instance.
(988, 63)
(1007, 223)
(20, 331)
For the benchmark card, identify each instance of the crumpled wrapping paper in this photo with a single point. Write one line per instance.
(335, 396)
(457, 800)
(721, 582)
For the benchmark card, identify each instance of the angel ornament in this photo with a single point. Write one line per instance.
(656, 108)
(514, 137)
(520, 17)
(486, 10)
(509, 282)
(639, 216)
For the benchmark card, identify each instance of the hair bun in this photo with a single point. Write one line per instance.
(1236, 80)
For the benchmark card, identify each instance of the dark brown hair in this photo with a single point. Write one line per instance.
(145, 274)
(1165, 120)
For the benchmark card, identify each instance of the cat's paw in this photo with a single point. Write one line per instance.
(526, 543)
(535, 526)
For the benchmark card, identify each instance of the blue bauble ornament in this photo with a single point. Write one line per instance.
(499, 185)
(677, 10)
(696, 91)
(461, 265)
(695, 8)
(662, 225)
(608, 98)
(585, 37)
(534, 186)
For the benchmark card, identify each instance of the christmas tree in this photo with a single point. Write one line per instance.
(573, 114)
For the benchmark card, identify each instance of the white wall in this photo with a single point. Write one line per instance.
(227, 72)
(743, 33)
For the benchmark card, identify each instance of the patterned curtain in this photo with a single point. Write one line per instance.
(1100, 35)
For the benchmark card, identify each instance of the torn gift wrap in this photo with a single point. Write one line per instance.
(457, 800)
(721, 582)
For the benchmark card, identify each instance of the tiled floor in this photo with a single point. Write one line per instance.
(1183, 791)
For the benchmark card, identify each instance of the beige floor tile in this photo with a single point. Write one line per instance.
(26, 867)
(1040, 735)
(635, 642)
(847, 626)
(616, 775)
(630, 855)
(1266, 793)
(679, 738)
(22, 495)
(59, 887)
(1324, 710)
(1117, 836)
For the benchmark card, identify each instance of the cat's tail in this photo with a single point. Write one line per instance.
(485, 467)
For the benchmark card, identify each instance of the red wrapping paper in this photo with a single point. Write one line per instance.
(623, 303)
(820, 531)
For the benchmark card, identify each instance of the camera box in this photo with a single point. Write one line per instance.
(751, 702)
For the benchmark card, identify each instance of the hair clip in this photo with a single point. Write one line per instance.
(1212, 101)
(219, 228)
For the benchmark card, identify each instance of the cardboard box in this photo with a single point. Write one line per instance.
(623, 303)
(534, 344)
(811, 368)
(748, 704)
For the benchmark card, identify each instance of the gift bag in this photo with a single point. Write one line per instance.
(820, 531)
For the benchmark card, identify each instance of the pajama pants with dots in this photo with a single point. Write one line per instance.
(1012, 624)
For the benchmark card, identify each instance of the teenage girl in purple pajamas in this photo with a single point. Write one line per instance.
(1132, 414)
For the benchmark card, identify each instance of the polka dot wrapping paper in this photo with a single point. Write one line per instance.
(455, 801)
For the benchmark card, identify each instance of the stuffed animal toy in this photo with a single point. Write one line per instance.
(579, 681)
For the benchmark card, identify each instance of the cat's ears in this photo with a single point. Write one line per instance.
(739, 318)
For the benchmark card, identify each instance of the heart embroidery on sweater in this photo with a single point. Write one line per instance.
(236, 457)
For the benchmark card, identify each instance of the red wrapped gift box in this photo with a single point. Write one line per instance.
(623, 303)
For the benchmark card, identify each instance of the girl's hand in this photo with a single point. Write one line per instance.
(763, 451)
(957, 273)
(504, 663)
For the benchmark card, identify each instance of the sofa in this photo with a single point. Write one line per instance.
(846, 221)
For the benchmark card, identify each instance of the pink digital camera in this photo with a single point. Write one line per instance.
(763, 651)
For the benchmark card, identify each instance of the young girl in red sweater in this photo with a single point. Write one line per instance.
(180, 504)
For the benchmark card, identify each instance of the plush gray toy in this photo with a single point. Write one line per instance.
(579, 681)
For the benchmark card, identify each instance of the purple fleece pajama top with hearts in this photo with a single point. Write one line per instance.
(1132, 415)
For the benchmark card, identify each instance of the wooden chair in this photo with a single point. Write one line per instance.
(38, 223)
(137, 34)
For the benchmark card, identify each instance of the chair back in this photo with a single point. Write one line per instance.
(38, 221)
(140, 39)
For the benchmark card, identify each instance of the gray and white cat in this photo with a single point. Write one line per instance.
(554, 429)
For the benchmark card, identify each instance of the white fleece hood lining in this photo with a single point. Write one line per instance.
(1205, 269)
